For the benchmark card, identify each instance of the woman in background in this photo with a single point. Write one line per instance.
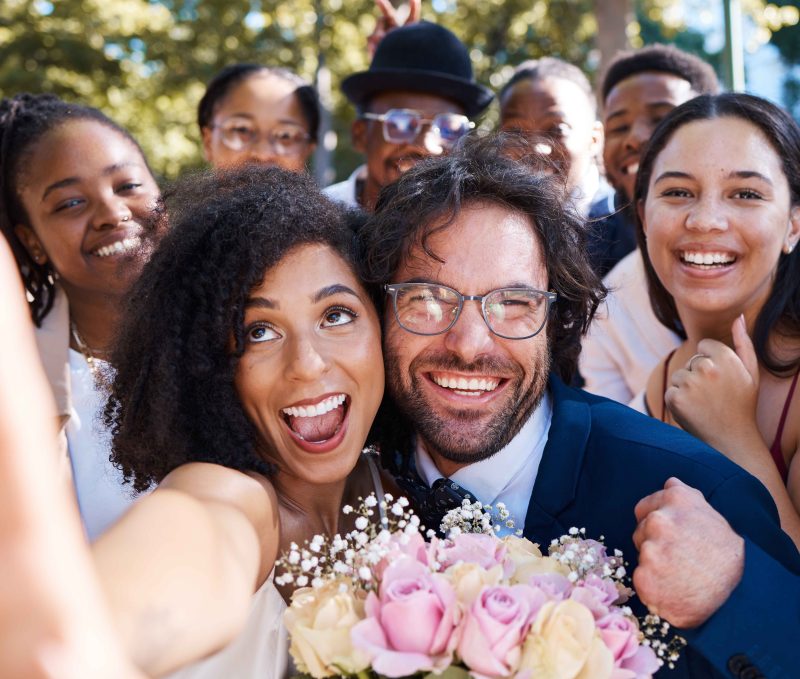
(77, 199)
(259, 114)
(718, 197)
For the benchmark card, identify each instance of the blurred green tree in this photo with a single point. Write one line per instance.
(145, 62)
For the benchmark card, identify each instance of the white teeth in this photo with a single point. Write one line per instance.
(472, 386)
(320, 408)
(118, 247)
(707, 258)
(631, 169)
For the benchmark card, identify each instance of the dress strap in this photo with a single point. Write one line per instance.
(775, 448)
(376, 482)
(664, 386)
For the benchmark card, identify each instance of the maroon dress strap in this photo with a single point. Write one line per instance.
(664, 385)
(775, 448)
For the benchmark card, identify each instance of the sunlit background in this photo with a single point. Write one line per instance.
(145, 62)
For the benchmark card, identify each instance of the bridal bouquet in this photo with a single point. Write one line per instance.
(384, 601)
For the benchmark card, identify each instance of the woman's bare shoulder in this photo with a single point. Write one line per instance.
(249, 492)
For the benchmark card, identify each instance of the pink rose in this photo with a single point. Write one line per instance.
(621, 635)
(477, 548)
(410, 625)
(400, 544)
(554, 585)
(495, 627)
(596, 594)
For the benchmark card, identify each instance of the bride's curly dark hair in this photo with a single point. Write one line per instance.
(172, 398)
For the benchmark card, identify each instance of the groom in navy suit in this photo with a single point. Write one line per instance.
(487, 295)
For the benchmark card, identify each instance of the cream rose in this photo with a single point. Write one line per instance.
(319, 623)
(528, 560)
(468, 579)
(563, 643)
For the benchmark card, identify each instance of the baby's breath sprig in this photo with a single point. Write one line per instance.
(352, 556)
(474, 517)
(656, 634)
(588, 557)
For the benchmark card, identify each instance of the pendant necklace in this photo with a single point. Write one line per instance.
(101, 379)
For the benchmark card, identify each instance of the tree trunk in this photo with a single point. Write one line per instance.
(613, 17)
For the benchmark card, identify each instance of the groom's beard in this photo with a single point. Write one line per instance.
(464, 436)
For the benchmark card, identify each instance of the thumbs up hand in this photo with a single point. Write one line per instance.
(714, 395)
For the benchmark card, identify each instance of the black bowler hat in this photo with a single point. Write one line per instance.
(420, 57)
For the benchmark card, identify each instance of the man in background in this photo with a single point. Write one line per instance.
(416, 100)
(553, 100)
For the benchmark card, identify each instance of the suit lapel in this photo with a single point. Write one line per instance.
(557, 478)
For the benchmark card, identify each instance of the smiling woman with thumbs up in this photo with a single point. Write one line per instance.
(718, 199)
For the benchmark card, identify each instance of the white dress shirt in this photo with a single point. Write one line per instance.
(508, 475)
(345, 191)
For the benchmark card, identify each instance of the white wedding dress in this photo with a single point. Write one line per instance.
(261, 649)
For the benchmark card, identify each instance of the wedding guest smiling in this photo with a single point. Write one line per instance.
(552, 98)
(415, 101)
(249, 370)
(639, 88)
(719, 220)
(258, 114)
(76, 206)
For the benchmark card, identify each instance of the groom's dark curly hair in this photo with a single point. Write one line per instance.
(173, 398)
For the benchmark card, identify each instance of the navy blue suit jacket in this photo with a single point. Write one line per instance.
(601, 458)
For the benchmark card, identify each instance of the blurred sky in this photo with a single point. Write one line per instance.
(764, 70)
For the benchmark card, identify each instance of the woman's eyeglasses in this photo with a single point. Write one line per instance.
(284, 140)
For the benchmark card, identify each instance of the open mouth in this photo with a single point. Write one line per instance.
(473, 386)
(630, 169)
(119, 247)
(707, 260)
(314, 425)
(405, 163)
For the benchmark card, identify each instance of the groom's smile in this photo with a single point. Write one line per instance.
(468, 390)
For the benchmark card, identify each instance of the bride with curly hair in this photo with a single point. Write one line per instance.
(248, 373)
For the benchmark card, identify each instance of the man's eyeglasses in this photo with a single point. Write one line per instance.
(403, 125)
(429, 309)
(285, 139)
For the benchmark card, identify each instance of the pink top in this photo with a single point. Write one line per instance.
(775, 448)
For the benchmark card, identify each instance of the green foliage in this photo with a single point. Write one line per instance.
(145, 62)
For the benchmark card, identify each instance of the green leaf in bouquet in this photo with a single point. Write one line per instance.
(452, 672)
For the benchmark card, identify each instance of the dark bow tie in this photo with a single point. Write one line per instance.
(431, 503)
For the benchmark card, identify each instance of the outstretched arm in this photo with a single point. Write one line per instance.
(53, 620)
(180, 567)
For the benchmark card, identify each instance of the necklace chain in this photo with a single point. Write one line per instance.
(100, 378)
